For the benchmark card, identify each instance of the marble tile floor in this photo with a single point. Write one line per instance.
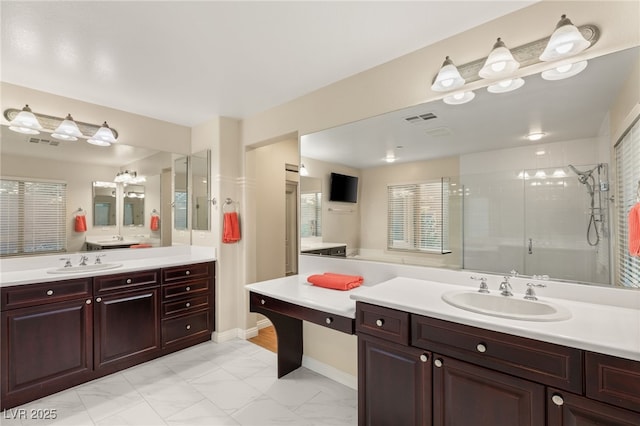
(231, 383)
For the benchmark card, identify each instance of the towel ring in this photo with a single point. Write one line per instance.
(228, 202)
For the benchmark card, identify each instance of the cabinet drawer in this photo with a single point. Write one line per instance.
(185, 305)
(385, 323)
(187, 289)
(38, 294)
(542, 362)
(187, 272)
(613, 380)
(189, 326)
(126, 281)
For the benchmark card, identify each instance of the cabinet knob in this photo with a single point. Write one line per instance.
(188, 288)
(187, 304)
(49, 292)
(98, 299)
(188, 326)
(262, 301)
(380, 322)
(481, 348)
(328, 320)
(438, 363)
(424, 358)
(128, 280)
(557, 399)
(88, 301)
(187, 273)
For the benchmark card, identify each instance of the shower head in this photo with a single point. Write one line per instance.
(585, 175)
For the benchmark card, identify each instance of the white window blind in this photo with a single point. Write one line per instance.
(418, 217)
(32, 217)
(628, 182)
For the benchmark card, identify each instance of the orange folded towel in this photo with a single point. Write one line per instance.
(634, 230)
(141, 246)
(154, 225)
(231, 228)
(336, 281)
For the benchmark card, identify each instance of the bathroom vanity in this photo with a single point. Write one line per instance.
(60, 331)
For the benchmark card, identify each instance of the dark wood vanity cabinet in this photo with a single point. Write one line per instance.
(484, 378)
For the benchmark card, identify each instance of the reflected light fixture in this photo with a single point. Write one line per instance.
(103, 137)
(565, 41)
(67, 130)
(536, 136)
(448, 77)
(390, 158)
(26, 122)
(499, 63)
(564, 71)
(303, 170)
(505, 86)
(459, 98)
(125, 176)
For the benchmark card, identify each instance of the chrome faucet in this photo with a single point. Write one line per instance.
(83, 260)
(483, 284)
(119, 238)
(530, 294)
(67, 264)
(98, 261)
(505, 287)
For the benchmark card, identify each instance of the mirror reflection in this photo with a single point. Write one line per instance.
(310, 207)
(200, 167)
(542, 208)
(104, 204)
(180, 194)
(133, 206)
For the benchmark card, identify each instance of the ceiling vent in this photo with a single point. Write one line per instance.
(41, 141)
(419, 119)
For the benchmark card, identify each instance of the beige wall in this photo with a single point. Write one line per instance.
(626, 107)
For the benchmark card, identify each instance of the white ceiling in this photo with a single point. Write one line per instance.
(185, 62)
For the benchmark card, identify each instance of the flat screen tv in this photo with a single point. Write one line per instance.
(343, 188)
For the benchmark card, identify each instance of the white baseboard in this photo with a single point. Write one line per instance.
(263, 323)
(225, 336)
(330, 372)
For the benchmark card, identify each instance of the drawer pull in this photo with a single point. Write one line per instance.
(188, 288)
(329, 320)
(558, 400)
(187, 304)
(49, 292)
(424, 358)
(188, 326)
(262, 301)
(88, 301)
(380, 322)
(481, 348)
(128, 280)
(99, 299)
(187, 273)
(438, 363)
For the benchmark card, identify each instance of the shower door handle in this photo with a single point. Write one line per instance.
(530, 245)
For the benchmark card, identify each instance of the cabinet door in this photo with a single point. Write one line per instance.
(566, 409)
(45, 349)
(464, 394)
(394, 383)
(126, 328)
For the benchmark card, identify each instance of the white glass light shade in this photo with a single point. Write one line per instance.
(25, 122)
(448, 77)
(459, 98)
(505, 86)
(564, 71)
(499, 63)
(103, 137)
(67, 130)
(303, 171)
(565, 41)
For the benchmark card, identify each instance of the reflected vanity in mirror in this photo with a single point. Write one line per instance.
(542, 208)
(104, 203)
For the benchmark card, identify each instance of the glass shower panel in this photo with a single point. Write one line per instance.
(566, 221)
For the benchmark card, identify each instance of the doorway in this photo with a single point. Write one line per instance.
(291, 228)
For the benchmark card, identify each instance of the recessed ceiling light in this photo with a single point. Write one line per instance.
(541, 152)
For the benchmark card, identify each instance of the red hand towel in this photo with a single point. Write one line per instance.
(155, 223)
(80, 223)
(231, 228)
(336, 281)
(634, 230)
(141, 246)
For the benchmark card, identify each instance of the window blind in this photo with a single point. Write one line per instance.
(628, 182)
(32, 217)
(418, 217)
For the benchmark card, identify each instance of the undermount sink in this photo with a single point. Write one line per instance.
(506, 306)
(86, 268)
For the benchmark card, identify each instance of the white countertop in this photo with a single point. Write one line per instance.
(607, 329)
(306, 246)
(295, 289)
(33, 269)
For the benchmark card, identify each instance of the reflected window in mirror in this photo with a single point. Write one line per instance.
(133, 206)
(310, 207)
(201, 177)
(104, 203)
(180, 193)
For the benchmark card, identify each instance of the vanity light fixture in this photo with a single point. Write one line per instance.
(500, 62)
(67, 130)
(565, 41)
(303, 170)
(122, 177)
(536, 136)
(448, 77)
(25, 122)
(564, 71)
(103, 137)
(505, 86)
(459, 98)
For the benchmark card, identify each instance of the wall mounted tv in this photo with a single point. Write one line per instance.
(343, 188)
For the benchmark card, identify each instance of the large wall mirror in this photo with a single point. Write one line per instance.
(104, 203)
(200, 177)
(542, 208)
(133, 205)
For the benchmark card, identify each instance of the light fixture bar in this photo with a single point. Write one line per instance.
(527, 54)
(51, 123)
